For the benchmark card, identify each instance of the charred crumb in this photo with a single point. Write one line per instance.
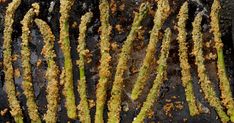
(205, 82)
(172, 105)
(25, 54)
(116, 92)
(52, 71)
(83, 107)
(113, 6)
(183, 55)
(16, 111)
(62, 77)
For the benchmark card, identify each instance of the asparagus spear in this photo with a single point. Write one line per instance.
(116, 92)
(25, 54)
(226, 93)
(83, 106)
(65, 7)
(52, 71)
(183, 54)
(16, 111)
(206, 85)
(161, 71)
(104, 68)
(159, 18)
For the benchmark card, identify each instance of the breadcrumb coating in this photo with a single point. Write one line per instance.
(65, 7)
(51, 73)
(183, 56)
(83, 107)
(161, 71)
(116, 92)
(226, 93)
(160, 17)
(25, 55)
(104, 68)
(206, 84)
(14, 104)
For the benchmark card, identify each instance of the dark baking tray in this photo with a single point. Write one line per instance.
(172, 91)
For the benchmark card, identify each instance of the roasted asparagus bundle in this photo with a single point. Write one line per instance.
(159, 18)
(206, 85)
(161, 71)
(116, 92)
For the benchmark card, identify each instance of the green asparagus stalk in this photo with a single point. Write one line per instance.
(83, 106)
(161, 71)
(205, 82)
(116, 92)
(160, 16)
(65, 7)
(51, 73)
(25, 54)
(185, 66)
(16, 111)
(104, 68)
(226, 93)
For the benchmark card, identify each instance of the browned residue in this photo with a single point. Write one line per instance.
(17, 73)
